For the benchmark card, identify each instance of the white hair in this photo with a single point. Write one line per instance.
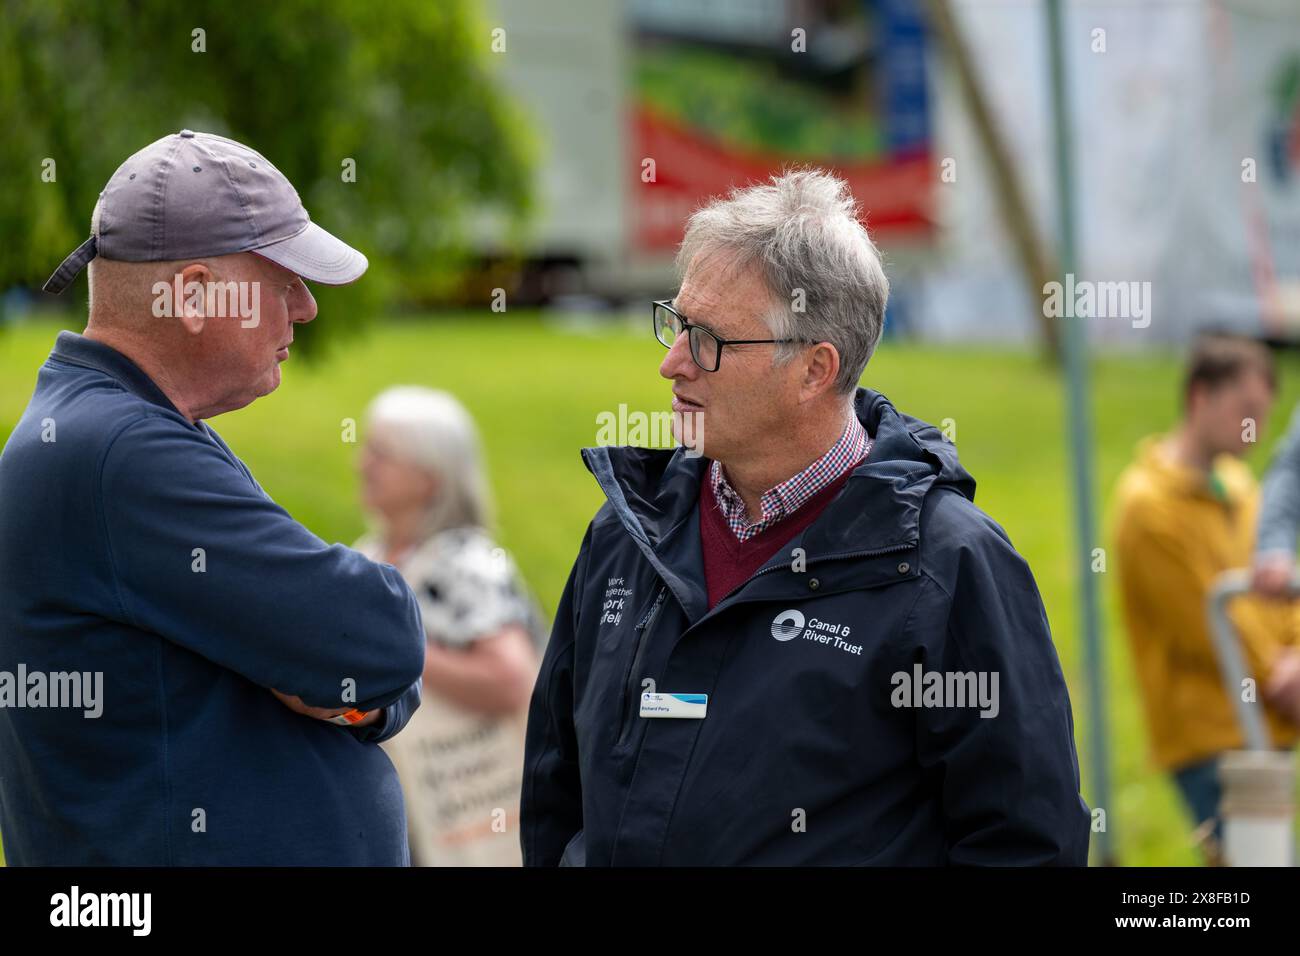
(433, 431)
(801, 230)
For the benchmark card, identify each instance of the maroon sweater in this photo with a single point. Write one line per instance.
(728, 563)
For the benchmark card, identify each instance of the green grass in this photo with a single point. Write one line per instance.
(536, 390)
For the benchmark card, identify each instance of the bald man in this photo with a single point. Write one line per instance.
(187, 675)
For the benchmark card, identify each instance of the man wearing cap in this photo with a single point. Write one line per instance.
(187, 675)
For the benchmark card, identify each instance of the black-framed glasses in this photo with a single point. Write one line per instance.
(706, 348)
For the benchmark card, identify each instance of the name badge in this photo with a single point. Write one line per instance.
(674, 705)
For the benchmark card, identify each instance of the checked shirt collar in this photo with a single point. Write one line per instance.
(786, 498)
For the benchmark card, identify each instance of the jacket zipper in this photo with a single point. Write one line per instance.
(638, 652)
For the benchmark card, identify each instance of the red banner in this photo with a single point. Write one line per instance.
(894, 193)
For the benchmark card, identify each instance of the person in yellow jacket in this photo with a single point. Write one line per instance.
(1185, 512)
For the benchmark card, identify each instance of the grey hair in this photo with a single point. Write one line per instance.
(801, 230)
(436, 433)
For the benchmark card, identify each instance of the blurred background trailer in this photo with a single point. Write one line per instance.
(644, 109)
(1187, 165)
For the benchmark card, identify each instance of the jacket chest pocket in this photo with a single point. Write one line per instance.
(818, 665)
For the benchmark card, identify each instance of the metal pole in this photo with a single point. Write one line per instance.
(1232, 663)
(1080, 428)
(1258, 797)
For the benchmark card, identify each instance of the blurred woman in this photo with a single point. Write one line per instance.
(460, 759)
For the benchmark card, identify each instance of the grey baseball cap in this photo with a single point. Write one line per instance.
(192, 195)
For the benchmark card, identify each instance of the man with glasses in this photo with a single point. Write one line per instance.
(807, 646)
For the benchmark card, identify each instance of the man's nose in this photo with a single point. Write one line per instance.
(304, 306)
(678, 362)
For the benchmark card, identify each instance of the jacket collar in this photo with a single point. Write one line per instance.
(654, 493)
(88, 353)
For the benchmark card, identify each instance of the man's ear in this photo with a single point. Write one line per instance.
(190, 296)
(821, 366)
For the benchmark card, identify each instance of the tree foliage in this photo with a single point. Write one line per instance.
(402, 87)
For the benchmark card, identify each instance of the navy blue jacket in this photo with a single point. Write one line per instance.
(813, 750)
(106, 494)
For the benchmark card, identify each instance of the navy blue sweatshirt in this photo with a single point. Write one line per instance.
(134, 545)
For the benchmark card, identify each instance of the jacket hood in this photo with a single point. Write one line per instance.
(653, 491)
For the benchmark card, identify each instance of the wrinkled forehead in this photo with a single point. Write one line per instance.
(722, 292)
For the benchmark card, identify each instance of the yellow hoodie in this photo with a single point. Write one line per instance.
(1174, 534)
